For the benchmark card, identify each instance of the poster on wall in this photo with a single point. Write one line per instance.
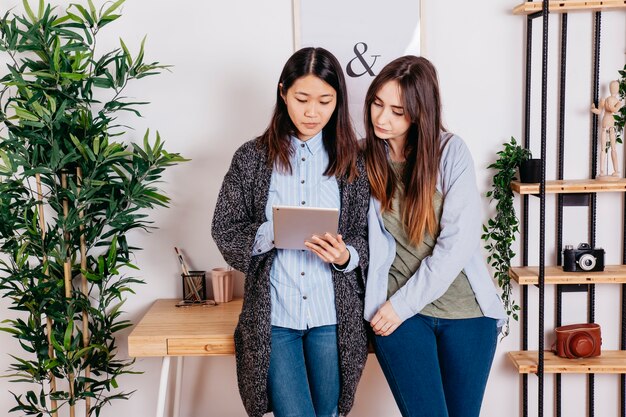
(364, 35)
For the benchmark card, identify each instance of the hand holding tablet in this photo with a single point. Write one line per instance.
(295, 225)
(312, 228)
(330, 249)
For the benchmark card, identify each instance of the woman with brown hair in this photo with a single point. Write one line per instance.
(429, 298)
(300, 342)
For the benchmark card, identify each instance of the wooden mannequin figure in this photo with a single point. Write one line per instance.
(610, 106)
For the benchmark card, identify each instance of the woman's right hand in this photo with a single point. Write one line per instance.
(386, 320)
(329, 249)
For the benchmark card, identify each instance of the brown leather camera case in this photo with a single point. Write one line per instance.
(578, 340)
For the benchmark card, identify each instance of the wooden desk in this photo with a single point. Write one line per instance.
(166, 330)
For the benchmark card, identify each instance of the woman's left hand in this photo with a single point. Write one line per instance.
(386, 320)
(329, 249)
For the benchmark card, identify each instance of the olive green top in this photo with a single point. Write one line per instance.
(459, 300)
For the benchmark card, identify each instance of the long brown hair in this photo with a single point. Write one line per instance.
(338, 136)
(419, 89)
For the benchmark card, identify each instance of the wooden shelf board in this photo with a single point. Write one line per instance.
(610, 362)
(529, 275)
(566, 6)
(571, 186)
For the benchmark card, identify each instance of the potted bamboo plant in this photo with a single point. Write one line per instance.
(70, 191)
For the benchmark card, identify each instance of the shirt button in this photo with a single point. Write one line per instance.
(302, 182)
(302, 145)
(303, 158)
(302, 273)
(304, 297)
(258, 250)
(304, 202)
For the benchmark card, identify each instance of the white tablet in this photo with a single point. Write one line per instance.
(294, 225)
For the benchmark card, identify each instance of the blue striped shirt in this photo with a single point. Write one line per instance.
(301, 284)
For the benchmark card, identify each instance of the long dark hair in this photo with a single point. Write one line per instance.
(338, 136)
(419, 89)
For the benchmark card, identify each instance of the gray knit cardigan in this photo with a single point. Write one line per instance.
(239, 212)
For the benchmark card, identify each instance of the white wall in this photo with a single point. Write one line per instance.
(227, 57)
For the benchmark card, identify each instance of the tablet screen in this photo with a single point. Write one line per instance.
(294, 225)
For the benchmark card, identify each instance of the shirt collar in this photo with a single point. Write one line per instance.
(312, 145)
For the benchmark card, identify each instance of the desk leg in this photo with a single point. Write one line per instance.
(165, 370)
(179, 384)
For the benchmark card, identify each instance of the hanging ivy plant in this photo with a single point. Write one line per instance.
(70, 191)
(500, 230)
(620, 117)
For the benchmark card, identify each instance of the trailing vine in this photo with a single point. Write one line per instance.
(620, 117)
(499, 232)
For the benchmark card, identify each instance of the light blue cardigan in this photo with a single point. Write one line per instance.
(458, 246)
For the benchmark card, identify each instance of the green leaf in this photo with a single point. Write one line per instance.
(139, 59)
(112, 8)
(24, 114)
(146, 143)
(79, 145)
(92, 10)
(67, 338)
(157, 196)
(85, 14)
(75, 18)
(84, 351)
(7, 167)
(106, 20)
(73, 76)
(96, 146)
(10, 330)
(29, 11)
(60, 20)
(55, 343)
(129, 59)
(112, 257)
(101, 266)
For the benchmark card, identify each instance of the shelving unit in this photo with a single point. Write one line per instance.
(568, 193)
(571, 187)
(553, 275)
(566, 6)
(611, 362)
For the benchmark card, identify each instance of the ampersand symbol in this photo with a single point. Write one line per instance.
(359, 55)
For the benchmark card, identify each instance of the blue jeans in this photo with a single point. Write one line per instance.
(303, 378)
(438, 367)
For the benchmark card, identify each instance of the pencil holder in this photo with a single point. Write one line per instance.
(222, 280)
(194, 286)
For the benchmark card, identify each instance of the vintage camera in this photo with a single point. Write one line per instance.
(583, 259)
(578, 341)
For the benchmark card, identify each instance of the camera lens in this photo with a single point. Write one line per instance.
(587, 262)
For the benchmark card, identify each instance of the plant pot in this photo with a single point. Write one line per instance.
(530, 171)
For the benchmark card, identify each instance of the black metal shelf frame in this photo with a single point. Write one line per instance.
(562, 201)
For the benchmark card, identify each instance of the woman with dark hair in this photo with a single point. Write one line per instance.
(430, 300)
(300, 342)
